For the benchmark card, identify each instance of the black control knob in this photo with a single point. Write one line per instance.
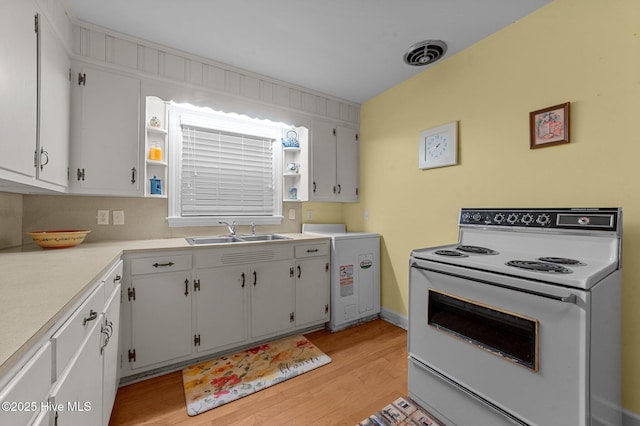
(543, 219)
(513, 218)
(527, 218)
(498, 218)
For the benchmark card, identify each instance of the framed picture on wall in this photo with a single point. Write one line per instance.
(550, 126)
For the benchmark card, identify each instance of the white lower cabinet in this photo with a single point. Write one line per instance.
(87, 355)
(220, 307)
(312, 290)
(25, 396)
(210, 300)
(77, 395)
(160, 319)
(272, 298)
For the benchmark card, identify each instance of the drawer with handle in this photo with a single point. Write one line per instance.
(67, 339)
(112, 279)
(159, 264)
(312, 250)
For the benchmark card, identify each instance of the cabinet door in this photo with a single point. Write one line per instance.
(18, 86)
(110, 328)
(160, 318)
(105, 143)
(347, 164)
(221, 314)
(55, 108)
(272, 298)
(78, 393)
(323, 163)
(29, 387)
(312, 291)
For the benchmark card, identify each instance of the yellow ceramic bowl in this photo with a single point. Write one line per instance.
(58, 238)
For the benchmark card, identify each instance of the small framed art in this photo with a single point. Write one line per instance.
(550, 126)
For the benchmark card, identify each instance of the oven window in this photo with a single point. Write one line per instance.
(503, 333)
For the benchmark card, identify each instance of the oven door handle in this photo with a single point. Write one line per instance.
(570, 298)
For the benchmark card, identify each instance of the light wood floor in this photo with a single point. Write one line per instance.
(368, 371)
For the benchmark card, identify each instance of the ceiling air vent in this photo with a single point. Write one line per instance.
(426, 52)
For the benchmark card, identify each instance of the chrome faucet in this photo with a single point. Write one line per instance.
(231, 227)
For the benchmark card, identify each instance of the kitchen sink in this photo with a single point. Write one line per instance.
(195, 241)
(262, 237)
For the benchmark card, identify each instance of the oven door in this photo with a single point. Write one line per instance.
(517, 345)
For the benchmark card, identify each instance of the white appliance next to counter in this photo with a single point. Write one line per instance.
(355, 274)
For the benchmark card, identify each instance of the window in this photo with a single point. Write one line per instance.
(223, 167)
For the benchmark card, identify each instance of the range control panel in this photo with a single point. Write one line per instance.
(596, 219)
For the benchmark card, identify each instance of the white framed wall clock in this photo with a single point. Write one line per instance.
(439, 146)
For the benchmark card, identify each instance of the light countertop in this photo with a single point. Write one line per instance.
(38, 287)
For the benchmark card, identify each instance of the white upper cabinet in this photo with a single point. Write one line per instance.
(335, 158)
(34, 100)
(18, 88)
(52, 154)
(105, 157)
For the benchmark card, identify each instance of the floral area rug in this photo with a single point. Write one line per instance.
(225, 379)
(402, 411)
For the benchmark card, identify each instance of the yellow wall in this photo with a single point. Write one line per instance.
(586, 52)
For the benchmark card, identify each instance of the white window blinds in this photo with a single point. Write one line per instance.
(225, 173)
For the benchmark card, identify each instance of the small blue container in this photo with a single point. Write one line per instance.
(156, 186)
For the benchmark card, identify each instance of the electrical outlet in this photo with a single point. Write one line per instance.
(118, 217)
(292, 214)
(309, 214)
(103, 217)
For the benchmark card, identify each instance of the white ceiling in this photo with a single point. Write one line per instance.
(352, 49)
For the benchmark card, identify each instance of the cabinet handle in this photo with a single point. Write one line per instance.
(243, 280)
(92, 316)
(339, 188)
(299, 271)
(312, 250)
(46, 156)
(133, 175)
(117, 278)
(155, 265)
(314, 187)
(186, 287)
(255, 278)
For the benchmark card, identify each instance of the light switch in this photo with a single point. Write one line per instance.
(292, 214)
(118, 217)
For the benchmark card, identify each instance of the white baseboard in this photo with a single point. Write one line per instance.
(395, 318)
(629, 418)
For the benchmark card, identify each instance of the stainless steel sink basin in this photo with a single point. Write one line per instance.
(262, 237)
(220, 239)
(194, 241)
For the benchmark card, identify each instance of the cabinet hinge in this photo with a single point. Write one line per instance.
(132, 355)
(55, 419)
(334, 132)
(335, 189)
(196, 285)
(326, 309)
(292, 317)
(196, 340)
(80, 174)
(357, 191)
(132, 293)
(357, 136)
(326, 267)
(291, 272)
(82, 79)
(36, 23)
(68, 173)
(35, 158)
(70, 75)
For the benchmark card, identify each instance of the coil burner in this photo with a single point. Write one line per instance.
(532, 265)
(476, 249)
(560, 260)
(450, 253)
